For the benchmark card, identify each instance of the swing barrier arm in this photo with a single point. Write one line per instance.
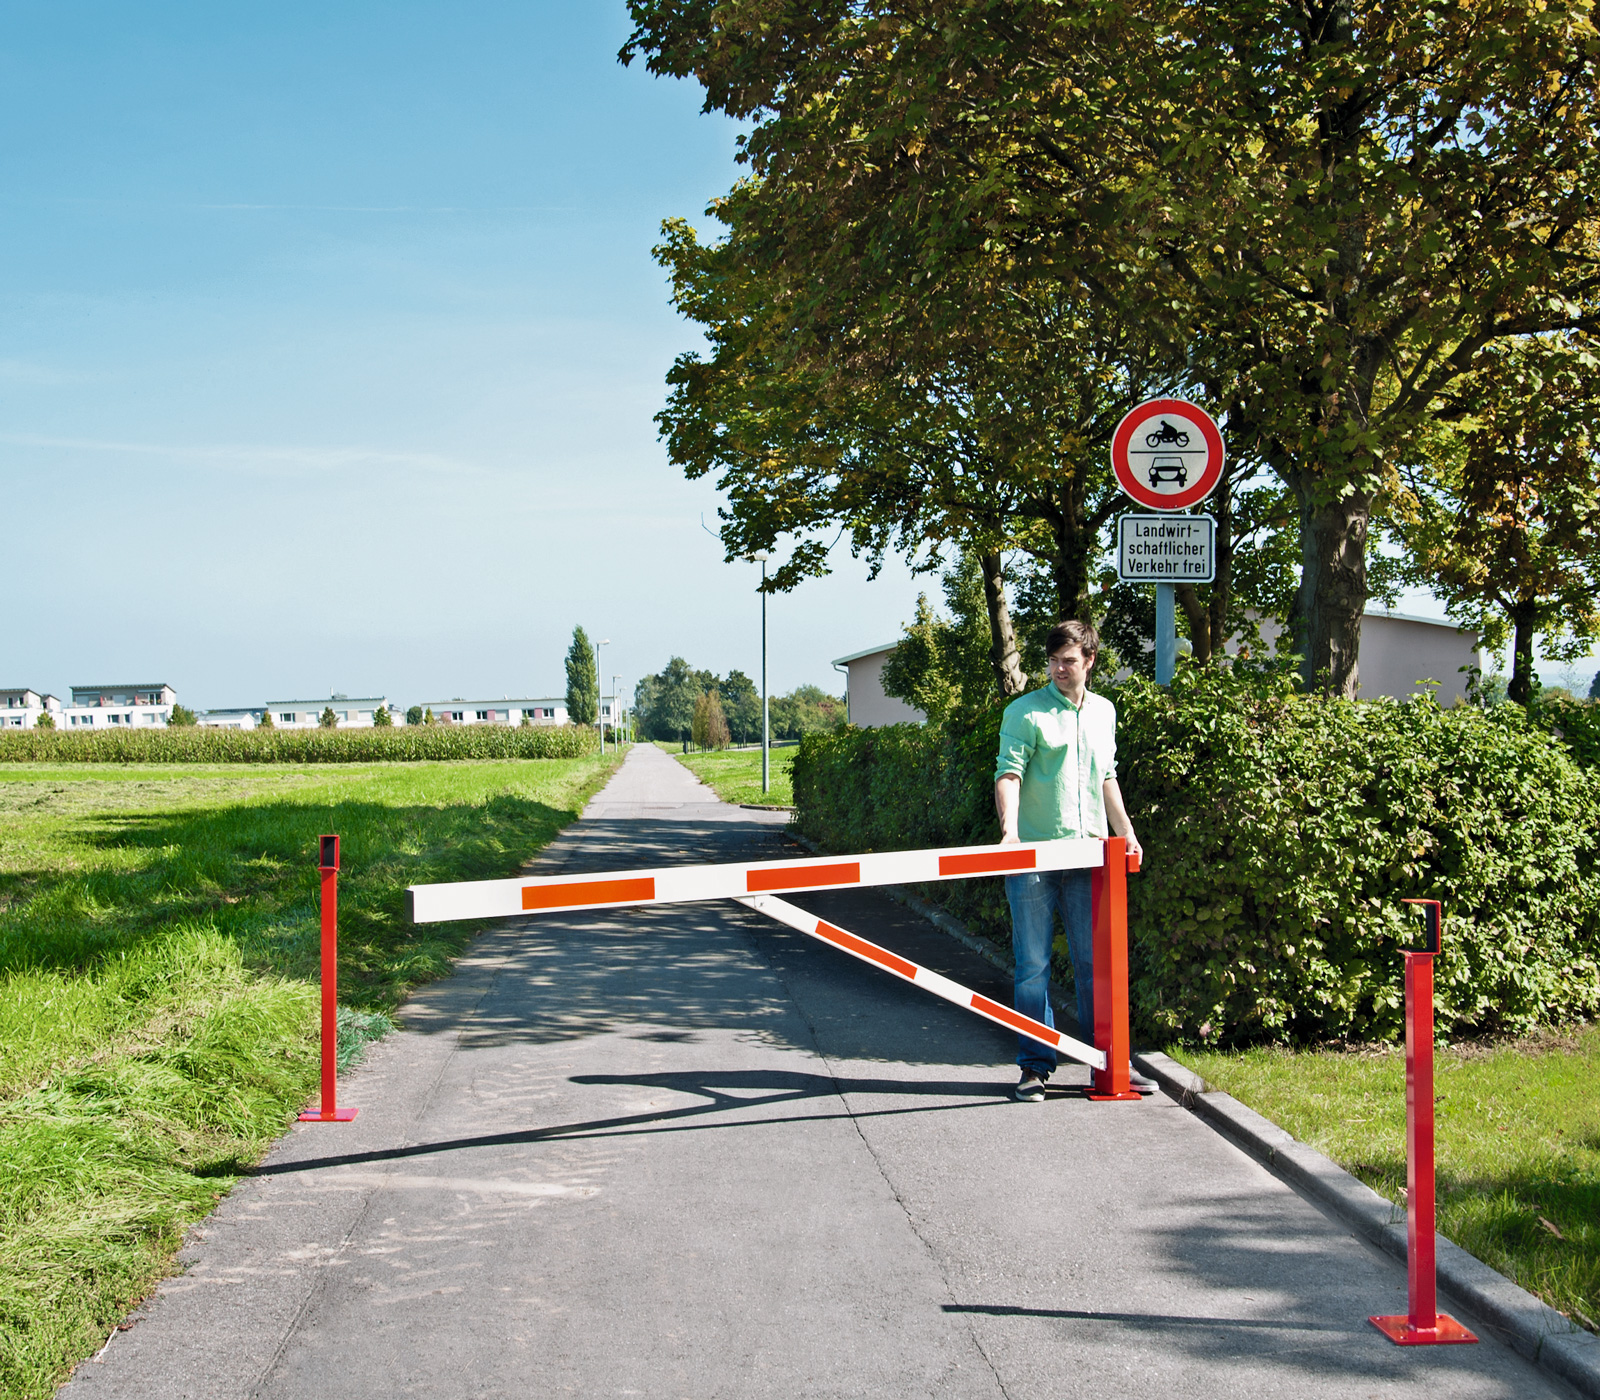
(757, 884)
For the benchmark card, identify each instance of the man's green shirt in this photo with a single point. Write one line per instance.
(1063, 754)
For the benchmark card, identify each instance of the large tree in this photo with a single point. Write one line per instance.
(1339, 208)
(1507, 528)
(910, 428)
(583, 685)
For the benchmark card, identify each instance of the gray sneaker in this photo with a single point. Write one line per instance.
(1030, 1088)
(1141, 1083)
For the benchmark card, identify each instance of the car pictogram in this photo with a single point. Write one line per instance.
(1168, 469)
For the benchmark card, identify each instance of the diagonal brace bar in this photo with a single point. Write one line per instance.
(917, 975)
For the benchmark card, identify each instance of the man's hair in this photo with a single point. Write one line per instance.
(1073, 633)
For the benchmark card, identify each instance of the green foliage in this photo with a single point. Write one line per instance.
(327, 719)
(1282, 831)
(266, 721)
(382, 718)
(414, 714)
(942, 665)
(45, 721)
(806, 709)
(374, 745)
(665, 701)
(710, 727)
(741, 702)
(1576, 723)
(583, 685)
(181, 717)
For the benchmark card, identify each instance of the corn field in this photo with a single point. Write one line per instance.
(199, 745)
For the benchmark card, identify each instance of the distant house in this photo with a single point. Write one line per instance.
(230, 718)
(1404, 655)
(505, 710)
(141, 706)
(865, 703)
(348, 712)
(21, 708)
(1401, 655)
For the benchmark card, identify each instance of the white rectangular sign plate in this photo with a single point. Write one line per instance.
(1166, 548)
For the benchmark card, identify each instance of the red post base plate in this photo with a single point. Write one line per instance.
(1400, 1331)
(339, 1115)
(1130, 1096)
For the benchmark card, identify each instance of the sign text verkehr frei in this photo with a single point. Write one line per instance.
(1166, 548)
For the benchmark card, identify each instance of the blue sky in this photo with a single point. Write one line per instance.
(330, 342)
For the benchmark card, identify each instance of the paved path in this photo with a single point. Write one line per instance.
(687, 1153)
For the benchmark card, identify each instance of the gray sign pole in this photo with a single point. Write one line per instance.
(1166, 634)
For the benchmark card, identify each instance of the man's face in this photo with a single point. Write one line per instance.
(1069, 667)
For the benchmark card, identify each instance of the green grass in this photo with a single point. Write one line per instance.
(1518, 1143)
(735, 774)
(158, 963)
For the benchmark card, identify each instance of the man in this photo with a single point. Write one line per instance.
(1056, 777)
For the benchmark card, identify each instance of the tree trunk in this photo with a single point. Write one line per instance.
(1076, 541)
(1520, 686)
(1003, 637)
(1333, 588)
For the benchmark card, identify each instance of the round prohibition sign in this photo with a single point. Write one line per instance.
(1167, 454)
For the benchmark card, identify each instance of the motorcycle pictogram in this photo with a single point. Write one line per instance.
(1166, 435)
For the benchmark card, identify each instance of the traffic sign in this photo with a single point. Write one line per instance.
(1167, 454)
(1166, 548)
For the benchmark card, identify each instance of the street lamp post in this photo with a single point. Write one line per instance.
(616, 714)
(760, 557)
(599, 720)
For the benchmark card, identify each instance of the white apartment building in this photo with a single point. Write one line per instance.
(21, 708)
(141, 706)
(349, 712)
(503, 711)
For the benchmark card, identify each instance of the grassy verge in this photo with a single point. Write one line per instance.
(1518, 1143)
(158, 959)
(735, 774)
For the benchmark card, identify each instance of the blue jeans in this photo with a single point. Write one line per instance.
(1034, 900)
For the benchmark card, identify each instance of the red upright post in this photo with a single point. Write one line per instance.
(1111, 974)
(1424, 1324)
(330, 1112)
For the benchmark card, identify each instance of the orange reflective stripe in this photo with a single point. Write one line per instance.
(1015, 1019)
(582, 892)
(862, 948)
(799, 877)
(988, 862)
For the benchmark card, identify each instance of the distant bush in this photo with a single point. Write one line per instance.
(1282, 832)
(181, 717)
(204, 745)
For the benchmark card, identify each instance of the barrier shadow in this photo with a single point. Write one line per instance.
(722, 1092)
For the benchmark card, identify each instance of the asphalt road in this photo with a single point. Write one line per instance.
(687, 1153)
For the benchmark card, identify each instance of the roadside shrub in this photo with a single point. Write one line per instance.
(1576, 723)
(1282, 831)
(203, 745)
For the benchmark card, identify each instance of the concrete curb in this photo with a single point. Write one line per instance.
(1529, 1326)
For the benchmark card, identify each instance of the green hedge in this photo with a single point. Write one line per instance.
(1282, 832)
(201, 745)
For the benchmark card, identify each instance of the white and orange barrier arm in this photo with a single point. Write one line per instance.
(678, 884)
(929, 981)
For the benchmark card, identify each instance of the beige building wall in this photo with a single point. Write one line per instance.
(870, 708)
(1401, 654)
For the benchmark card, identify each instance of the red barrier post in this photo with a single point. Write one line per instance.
(1424, 1325)
(1111, 973)
(328, 864)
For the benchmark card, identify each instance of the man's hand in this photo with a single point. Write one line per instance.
(1007, 795)
(1117, 812)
